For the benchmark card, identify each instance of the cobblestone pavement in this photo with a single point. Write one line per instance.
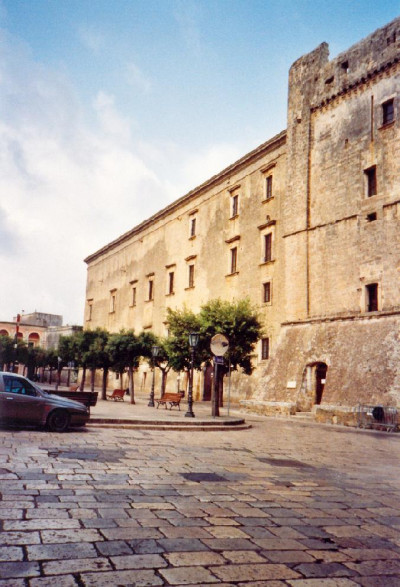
(282, 503)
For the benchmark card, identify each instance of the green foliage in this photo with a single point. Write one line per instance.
(239, 322)
(176, 346)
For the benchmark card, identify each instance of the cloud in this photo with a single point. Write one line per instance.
(68, 187)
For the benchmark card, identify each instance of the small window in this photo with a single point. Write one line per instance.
(171, 279)
(370, 175)
(235, 206)
(266, 292)
(90, 310)
(113, 297)
(151, 290)
(234, 253)
(264, 349)
(371, 217)
(388, 112)
(192, 227)
(372, 297)
(191, 275)
(267, 247)
(268, 187)
(133, 298)
(345, 66)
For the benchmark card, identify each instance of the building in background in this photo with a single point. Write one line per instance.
(38, 329)
(306, 226)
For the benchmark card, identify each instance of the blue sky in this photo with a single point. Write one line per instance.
(111, 109)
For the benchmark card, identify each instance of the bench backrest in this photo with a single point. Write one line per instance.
(118, 392)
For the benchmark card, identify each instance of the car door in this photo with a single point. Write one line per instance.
(7, 400)
(23, 402)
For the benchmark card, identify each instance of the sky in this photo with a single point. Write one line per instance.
(112, 109)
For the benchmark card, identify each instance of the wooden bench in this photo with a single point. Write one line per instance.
(173, 399)
(117, 395)
(74, 388)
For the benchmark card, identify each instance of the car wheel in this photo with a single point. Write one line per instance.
(58, 421)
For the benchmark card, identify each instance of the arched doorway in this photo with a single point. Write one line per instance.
(312, 387)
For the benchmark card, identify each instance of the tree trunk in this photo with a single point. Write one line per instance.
(164, 374)
(92, 379)
(82, 385)
(131, 385)
(104, 384)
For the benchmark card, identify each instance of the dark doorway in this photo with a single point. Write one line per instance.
(320, 378)
(208, 381)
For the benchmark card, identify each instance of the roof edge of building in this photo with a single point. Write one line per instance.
(257, 152)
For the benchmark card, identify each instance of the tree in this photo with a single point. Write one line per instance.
(180, 324)
(239, 322)
(7, 352)
(126, 349)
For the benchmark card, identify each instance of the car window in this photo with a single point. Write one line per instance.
(17, 385)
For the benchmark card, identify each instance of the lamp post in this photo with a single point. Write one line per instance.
(154, 352)
(193, 342)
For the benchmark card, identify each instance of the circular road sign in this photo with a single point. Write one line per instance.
(219, 345)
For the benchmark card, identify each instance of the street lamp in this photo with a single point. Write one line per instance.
(154, 353)
(193, 342)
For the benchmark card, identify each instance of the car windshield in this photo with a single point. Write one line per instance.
(36, 386)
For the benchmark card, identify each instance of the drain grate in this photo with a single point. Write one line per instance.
(103, 456)
(284, 463)
(199, 477)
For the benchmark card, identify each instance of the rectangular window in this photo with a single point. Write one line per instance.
(151, 290)
(234, 260)
(192, 227)
(268, 187)
(267, 247)
(133, 299)
(112, 302)
(90, 309)
(264, 348)
(235, 205)
(267, 292)
(171, 278)
(372, 297)
(191, 275)
(388, 112)
(370, 175)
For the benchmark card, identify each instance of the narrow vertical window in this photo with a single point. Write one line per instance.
(235, 206)
(171, 279)
(151, 290)
(234, 260)
(388, 112)
(90, 309)
(372, 297)
(192, 227)
(191, 275)
(133, 299)
(268, 187)
(370, 175)
(267, 247)
(267, 292)
(264, 348)
(112, 301)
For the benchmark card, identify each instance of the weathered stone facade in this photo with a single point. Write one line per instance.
(327, 191)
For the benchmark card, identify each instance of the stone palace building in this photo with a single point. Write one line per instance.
(307, 225)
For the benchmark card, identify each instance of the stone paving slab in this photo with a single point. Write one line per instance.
(279, 504)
